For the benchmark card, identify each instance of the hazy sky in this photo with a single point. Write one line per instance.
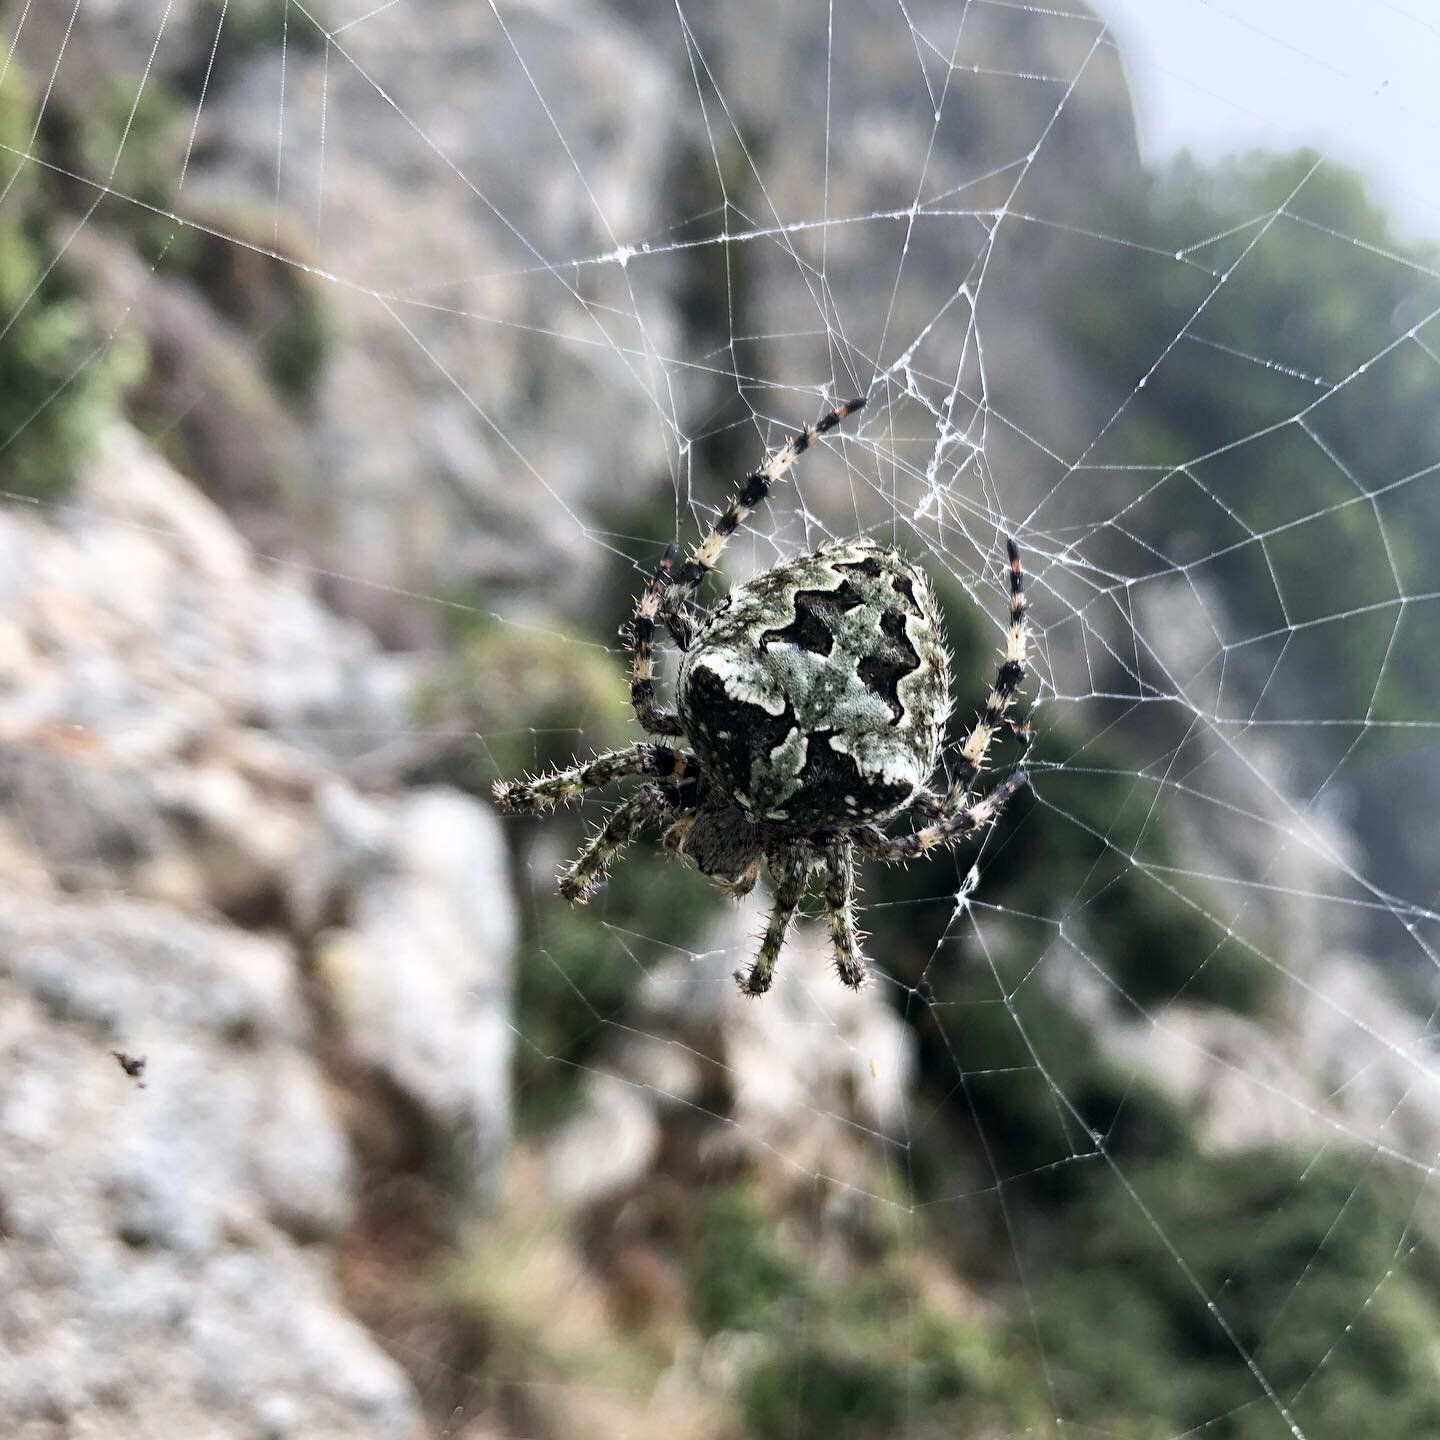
(1359, 79)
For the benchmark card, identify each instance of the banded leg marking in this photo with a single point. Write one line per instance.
(642, 655)
(790, 871)
(751, 494)
(1008, 679)
(840, 911)
(622, 825)
(546, 791)
(874, 843)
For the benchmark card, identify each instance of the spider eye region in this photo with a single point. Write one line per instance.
(818, 695)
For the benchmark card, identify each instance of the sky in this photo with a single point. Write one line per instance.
(1357, 79)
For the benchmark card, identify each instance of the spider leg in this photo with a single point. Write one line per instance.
(750, 495)
(642, 653)
(740, 888)
(546, 791)
(1007, 681)
(871, 841)
(840, 909)
(622, 825)
(790, 869)
(929, 804)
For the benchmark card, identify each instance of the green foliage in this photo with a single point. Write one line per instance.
(1008, 1105)
(536, 698)
(1312, 298)
(915, 1373)
(532, 694)
(844, 1357)
(1144, 926)
(528, 1339)
(824, 1390)
(60, 377)
(132, 139)
(279, 304)
(579, 965)
(250, 28)
(741, 1278)
(142, 135)
(267, 24)
(298, 344)
(1301, 1262)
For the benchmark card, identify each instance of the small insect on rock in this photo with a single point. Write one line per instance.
(132, 1065)
(810, 711)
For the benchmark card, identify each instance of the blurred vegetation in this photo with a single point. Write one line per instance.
(1313, 306)
(139, 146)
(279, 306)
(527, 1319)
(847, 1357)
(223, 35)
(536, 697)
(582, 965)
(61, 375)
(1317, 1265)
(76, 353)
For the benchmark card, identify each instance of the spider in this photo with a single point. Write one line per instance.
(814, 700)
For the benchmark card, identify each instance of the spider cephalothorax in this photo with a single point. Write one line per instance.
(814, 699)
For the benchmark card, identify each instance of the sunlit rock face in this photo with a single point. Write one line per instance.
(160, 1230)
(193, 891)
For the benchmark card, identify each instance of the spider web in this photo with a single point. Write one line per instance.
(1144, 1087)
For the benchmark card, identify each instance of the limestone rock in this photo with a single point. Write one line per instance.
(155, 1265)
(420, 971)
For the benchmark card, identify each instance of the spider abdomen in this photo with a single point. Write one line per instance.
(817, 694)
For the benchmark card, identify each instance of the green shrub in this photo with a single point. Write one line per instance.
(60, 374)
(1316, 1268)
(740, 1277)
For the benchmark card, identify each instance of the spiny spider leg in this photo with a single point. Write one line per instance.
(622, 825)
(642, 661)
(1007, 681)
(873, 842)
(937, 807)
(751, 494)
(790, 869)
(840, 911)
(546, 791)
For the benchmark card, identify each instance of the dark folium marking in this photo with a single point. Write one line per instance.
(868, 566)
(734, 731)
(883, 671)
(807, 630)
(828, 779)
(813, 627)
(905, 588)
